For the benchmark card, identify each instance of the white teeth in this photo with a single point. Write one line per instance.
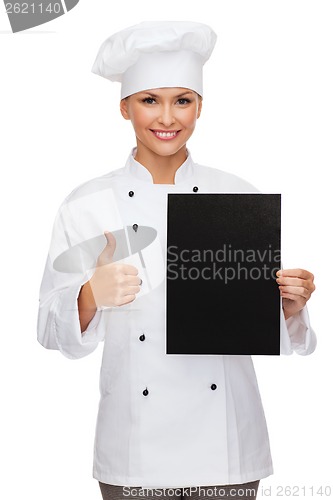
(166, 134)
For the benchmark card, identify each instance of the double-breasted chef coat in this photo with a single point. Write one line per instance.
(163, 420)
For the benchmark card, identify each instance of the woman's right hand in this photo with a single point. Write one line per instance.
(113, 283)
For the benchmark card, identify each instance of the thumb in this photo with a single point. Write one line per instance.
(107, 254)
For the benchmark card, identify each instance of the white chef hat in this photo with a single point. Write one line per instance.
(156, 54)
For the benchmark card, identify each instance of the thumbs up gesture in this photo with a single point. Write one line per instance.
(113, 283)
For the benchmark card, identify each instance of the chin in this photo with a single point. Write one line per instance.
(168, 151)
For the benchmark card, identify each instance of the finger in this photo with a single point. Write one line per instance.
(128, 269)
(132, 281)
(126, 299)
(294, 298)
(299, 291)
(308, 284)
(106, 257)
(296, 282)
(110, 239)
(297, 273)
(291, 281)
(129, 298)
(131, 290)
(128, 280)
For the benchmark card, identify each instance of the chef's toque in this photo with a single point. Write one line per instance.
(153, 55)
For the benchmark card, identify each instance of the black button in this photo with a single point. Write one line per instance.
(145, 392)
(213, 387)
(195, 189)
(135, 227)
(142, 337)
(131, 193)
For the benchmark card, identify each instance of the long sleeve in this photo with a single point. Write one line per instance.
(65, 272)
(297, 334)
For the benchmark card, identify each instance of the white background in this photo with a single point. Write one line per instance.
(267, 117)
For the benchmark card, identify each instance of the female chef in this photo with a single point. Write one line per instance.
(188, 424)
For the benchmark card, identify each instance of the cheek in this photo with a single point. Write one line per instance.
(190, 119)
(142, 120)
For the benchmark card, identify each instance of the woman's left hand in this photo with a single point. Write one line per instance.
(296, 287)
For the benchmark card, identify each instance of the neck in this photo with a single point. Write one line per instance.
(161, 168)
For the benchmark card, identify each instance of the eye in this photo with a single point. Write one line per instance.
(183, 101)
(149, 100)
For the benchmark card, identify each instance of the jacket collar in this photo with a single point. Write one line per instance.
(137, 170)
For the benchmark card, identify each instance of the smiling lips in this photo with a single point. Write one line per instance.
(165, 135)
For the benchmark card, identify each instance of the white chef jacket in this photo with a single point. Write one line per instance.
(159, 424)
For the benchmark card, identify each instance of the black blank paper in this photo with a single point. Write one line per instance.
(223, 251)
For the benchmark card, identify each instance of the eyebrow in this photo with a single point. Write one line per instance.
(151, 94)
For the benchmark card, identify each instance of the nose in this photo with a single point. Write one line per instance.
(166, 115)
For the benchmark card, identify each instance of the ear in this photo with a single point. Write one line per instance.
(124, 109)
(199, 107)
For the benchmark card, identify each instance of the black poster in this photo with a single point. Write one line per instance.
(223, 251)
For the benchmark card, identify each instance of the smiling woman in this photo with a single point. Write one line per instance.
(164, 421)
(163, 121)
